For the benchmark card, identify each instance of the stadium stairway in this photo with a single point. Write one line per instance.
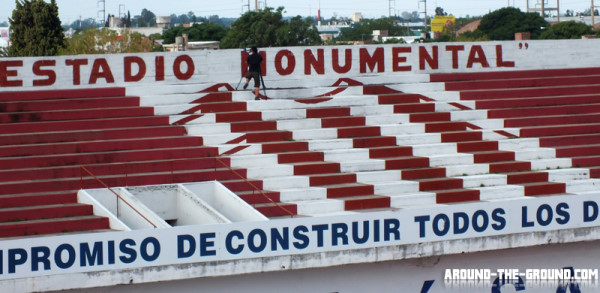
(560, 108)
(379, 149)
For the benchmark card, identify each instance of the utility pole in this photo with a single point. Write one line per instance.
(247, 5)
(424, 12)
(103, 11)
(256, 5)
(593, 7)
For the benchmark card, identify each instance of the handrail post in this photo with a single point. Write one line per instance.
(117, 195)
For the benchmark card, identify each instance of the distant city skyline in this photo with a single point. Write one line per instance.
(71, 10)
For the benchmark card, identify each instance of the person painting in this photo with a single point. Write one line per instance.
(254, 61)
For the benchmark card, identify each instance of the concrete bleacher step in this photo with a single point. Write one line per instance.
(98, 146)
(111, 168)
(537, 101)
(56, 225)
(544, 111)
(18, 214)
(29, 200)
(529, 92)
(105, 157)
(85, 181)
(58, 136)
(69, 104)
(92, 124)
(75, 114)
(62, 94)
(470, 76)
(521, 82)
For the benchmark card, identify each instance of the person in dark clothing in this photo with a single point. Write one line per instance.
(254, 61)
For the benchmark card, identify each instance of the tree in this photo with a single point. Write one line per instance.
(36, 29)
(146, 19)
(298, 32)
(363, 31)
(567, 30)
(503, 23)
(105, 41)
(440, 11)
(197, 32)
(254, 28)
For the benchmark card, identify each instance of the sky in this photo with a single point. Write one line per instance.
(71, 10)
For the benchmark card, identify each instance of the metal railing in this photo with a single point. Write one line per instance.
(254, 187)
(116, 194)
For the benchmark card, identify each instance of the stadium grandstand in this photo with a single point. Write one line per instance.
(437, 167)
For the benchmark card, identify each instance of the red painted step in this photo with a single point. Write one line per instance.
(12, 201)
(398, 99)
(521, 83)
(99, 146)
(457, 195)
(569, 140)
(537, 101)
(423, 173)
(406, 163)
(61, 94)
(552, 120)
(238, 116)
(558, 130)
(327, 112)
(343, 121)
(430, 117)
(445, 126)
(366, 202)
(310, 168)
(529, 92)
(296, 157)
(44, 212)
(91, 135)
(358, 131)
(390, 151)
(440, 77)
(69, 104)
(544, 111)
(121, 169)
(414, 108)
(60, 225)
(253, 126)
(287, 146)
(87, 182)
(332, 179)
(544, 188)
(577, 151)
(93, 124)
(266, 136)
(108, 157)
(493, 156)
(377, 141)
(527, 177)
(77, 114)
(586, 161)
